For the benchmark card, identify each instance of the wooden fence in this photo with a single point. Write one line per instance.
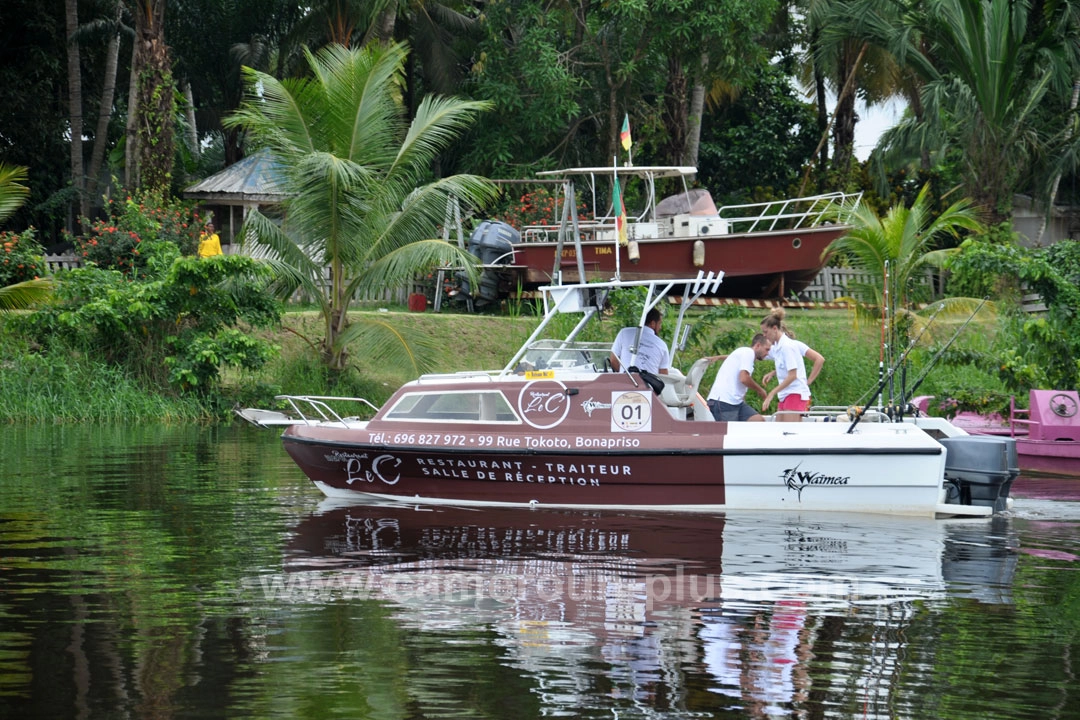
(62, 262)
(834, 283)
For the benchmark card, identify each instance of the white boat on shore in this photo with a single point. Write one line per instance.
(557, 427)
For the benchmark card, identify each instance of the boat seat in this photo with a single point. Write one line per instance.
(679, 390)
(694, 375)
(671, 393)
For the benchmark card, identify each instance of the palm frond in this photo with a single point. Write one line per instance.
(12, 192)
(263, 240)
(380, 343)
(25, 294)
(437, 123)
(423, 209)
(397, 267)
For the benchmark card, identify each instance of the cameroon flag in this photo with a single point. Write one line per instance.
(620, 212)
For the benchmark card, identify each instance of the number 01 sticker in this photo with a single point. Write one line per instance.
(631, 411)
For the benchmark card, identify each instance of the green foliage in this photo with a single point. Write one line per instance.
(986, 268)
(116, 242)
(359, 197)
(903, 185)
(1035, 351)
(197, 360)
(978, 400)
(760, 140)
(626, 305)
(174, 328)
(984, 68)
(20, 257)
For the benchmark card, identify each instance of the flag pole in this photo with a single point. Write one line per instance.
(616, 210)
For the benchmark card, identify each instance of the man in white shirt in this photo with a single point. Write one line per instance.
(727, 397)
(652, 352)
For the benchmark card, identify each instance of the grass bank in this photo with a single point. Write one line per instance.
(851, 350)
(50, 387)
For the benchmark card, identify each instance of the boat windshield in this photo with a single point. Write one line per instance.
(487, 406)
(562, 355)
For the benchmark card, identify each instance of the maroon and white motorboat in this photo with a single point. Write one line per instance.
(556, 427)
(768, 250)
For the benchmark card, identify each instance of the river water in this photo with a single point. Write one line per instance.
(164, 572)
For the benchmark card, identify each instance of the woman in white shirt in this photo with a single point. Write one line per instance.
(793, 389)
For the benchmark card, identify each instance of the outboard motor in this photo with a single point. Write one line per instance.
(981, 469)
(492, 242)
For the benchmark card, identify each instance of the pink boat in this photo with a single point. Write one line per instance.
(1047, 433)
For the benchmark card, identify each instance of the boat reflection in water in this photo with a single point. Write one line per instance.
(736, 604)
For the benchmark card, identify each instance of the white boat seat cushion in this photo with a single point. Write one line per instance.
(679, 389)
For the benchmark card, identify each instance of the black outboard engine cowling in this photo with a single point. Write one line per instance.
(982, 469)
(492, 242)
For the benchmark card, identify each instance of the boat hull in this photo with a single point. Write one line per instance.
(1048, 457)
(756, 265)
(749, 466)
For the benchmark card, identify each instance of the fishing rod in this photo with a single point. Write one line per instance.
(937, 356)
(884, 323)
(892, 370)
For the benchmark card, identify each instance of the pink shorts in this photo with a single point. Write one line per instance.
(795, 403)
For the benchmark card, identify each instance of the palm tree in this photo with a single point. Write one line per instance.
(900, 245)
(842, 55)
(354, 172)
(12, 195)
(984, 72)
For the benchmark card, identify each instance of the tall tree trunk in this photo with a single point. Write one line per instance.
(849, 87)
(155, 98)
(677, 110)
(844, 118)
(101, 134)
(697, 112)
(820, 95)
(75, 104)
(131, 138)
(192, 129)
(384, 25)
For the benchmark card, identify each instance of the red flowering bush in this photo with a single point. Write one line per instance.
(20, 257)
(116, 241)
(538, 207)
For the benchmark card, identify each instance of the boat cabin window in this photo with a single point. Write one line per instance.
(489, 406)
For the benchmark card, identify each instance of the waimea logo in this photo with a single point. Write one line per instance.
(797, 480)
